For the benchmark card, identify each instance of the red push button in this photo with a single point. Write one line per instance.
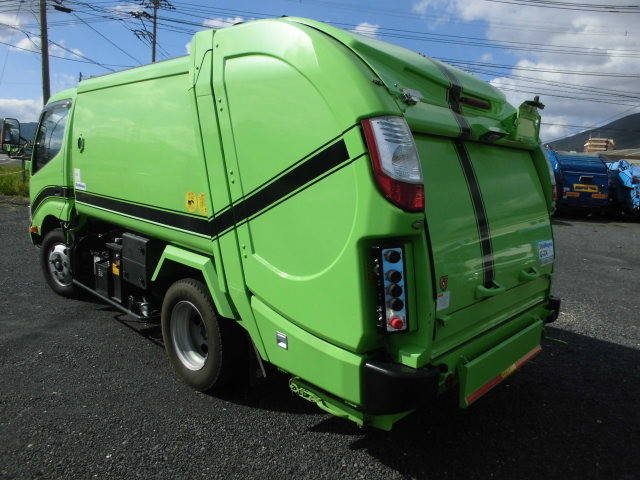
(396, 323)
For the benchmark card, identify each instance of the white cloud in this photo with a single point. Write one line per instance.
(62, 81)
(8, 29)
(593, 32)
(187, 46)
(487, 57)
(24, 110)
(33, 44)
(127, 7)
(222, 22)
(368, 29)
(421, 6)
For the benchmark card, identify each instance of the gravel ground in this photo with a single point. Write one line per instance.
(84, 394)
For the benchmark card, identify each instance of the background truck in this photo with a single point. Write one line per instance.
(625, 186)
(369, 220)
(582, 181)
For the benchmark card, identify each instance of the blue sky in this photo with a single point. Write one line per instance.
(495, 23)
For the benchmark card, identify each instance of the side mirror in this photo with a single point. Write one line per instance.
(10, 134)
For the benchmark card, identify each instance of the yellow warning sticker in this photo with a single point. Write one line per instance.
(202, 204)
(190, 201)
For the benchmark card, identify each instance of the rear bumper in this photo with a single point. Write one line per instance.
(582, 202)
(390, 387)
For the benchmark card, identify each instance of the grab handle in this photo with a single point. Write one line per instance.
(494, 289)
(530, 273)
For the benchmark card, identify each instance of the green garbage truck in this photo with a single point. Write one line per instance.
(370, 221)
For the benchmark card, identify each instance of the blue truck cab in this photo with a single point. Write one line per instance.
(582, 180)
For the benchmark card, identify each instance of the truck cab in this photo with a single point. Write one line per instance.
(372, 222)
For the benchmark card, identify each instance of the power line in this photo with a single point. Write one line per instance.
(599, 124)
(585, 128)
(424, 36)
(62, 58)
(583, 7)
(108, 39)
(588, 89)
(455, 61)
(28, 35)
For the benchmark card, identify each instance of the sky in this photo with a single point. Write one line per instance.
(584, 64)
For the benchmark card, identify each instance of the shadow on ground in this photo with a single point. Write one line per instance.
(580, 397)
(572, 413)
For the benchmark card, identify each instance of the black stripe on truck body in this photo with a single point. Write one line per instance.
(482, 222)
(50, 191)
(303, 174)
(484, 233)
(453, 98)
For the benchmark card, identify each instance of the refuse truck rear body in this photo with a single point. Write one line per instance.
(371, 221)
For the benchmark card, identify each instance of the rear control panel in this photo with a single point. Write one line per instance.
(389, 269)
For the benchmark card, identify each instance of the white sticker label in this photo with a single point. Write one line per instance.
(545, 252)
(76, 175)
(80, 186)
(444, 299)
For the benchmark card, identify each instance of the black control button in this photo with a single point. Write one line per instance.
(394, 290)
(392, 256)
(396, 304)
(394, 276)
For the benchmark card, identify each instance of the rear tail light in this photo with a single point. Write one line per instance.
(395, 161)
(389, 268)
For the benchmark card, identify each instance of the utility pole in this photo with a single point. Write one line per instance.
(155, 30)
(149, 37)
(44, 50)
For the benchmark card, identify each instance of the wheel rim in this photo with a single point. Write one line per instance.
(189, 335)
(60, 264)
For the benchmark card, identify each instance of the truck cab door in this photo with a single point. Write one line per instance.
(48, 183)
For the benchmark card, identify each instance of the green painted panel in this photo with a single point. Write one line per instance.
(141, 143)
(458, 327)
(451, 221)
(329, 367)
(517, 212)
(499, 362)
(205, 265)
(282, 101)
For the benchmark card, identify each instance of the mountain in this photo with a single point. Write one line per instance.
(625, 132)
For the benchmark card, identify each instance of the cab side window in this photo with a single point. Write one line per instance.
(50, 134)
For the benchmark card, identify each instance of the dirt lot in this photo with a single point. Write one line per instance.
(84, 395)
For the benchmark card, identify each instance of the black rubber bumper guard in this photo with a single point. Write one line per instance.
(393, 388)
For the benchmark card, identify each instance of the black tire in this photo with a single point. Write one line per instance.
(220, 335)
(61, 284)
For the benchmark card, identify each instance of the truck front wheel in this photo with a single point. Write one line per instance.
(196, 341)
(55, 259)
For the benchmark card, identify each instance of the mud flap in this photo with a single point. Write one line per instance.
(481, 374)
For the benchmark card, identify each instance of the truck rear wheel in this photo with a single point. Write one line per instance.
(196, 341)
(55, 259)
